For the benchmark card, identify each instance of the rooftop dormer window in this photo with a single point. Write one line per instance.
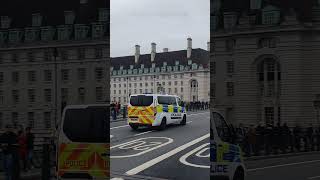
(131, 66)
(81, 31)
(69, 17)
(36, 20)
(164, 64)
(255, 4)
(189, 62)
(14, 36)
(64, 33)
(30, 34)
(214, 20)
(97, 30)
(270, 15)
(142, 66)
(177, 63)
(103, 14)
(46, 33)
(153, 65)
(5, 22)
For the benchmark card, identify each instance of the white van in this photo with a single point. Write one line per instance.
(226, 161)
(83, 149)
(155, 110)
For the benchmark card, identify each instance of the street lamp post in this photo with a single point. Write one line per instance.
(55, 54)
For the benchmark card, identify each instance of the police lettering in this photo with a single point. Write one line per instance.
(220, 169)
(77, 163)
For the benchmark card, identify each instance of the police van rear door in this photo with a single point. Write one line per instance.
(225, 156)
(84, 143)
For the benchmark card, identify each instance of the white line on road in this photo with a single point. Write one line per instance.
(315, 177)
(189, 122)
(111, 136)
(143, 133)
(282, 165)
(152, 162)
(117, 127)
(183, 158)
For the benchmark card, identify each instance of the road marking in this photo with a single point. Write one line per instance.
(152, 162)
(141, 145)
(282, 165)
(184, 161)
(189, 122)
(315, 177)
(197, 114)
(117, 179)
(143, 133)
(117, 127)
(111, 136)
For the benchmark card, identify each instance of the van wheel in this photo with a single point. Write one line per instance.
(134, 127)
(184, 120)
(239, 175)
(163, 124)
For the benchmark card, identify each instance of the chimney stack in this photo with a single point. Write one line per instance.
(153, 51)
(208, 46)
(189, 49)
(137, 54)
(165, 50)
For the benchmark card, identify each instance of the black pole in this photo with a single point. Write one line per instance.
(55, 87)
(45, 171)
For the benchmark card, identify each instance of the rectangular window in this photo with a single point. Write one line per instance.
(65, 74)
(91, 123)
(146, 84)
(1, 97)
(141, 100)
(175, 90)
(30, 56)
(181, 83)
(99, 93)
(31, 95)
(47, 95)
(119, 91)
(182, 90)
(169, 83)
(269, 115)
(230, 67)
(64, 94)
(213, 90)
(140, 84)
(114, 92)
(81, 74)
(64, 54)
(213, 67)
(47, 75)
(119, 85)
(1, 77)
(14, 119)
(15, 96)
(1, 120)
(47, 119)
(14, 58)
(15, 77)
(230, 88)
(99, 74)
(167, 100)
(81, 53)
(98, 53)
(31, 76)
(81, 94)
(31, 119)
(176, 83)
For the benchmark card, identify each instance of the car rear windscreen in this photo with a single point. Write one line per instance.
(87, 125)
(141, 100)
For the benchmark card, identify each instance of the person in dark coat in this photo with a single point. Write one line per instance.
(30, 144)
(9, 142)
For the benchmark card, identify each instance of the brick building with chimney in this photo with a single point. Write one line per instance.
(184, 73)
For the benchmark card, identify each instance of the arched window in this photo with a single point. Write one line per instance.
(267, 43)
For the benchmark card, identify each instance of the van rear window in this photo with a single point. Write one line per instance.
(141, 100)
(87, 125)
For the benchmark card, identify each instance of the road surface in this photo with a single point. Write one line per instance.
(178, 152)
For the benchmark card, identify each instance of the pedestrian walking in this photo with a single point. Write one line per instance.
(8, 140)
(30, 146)
(22, 141)
(252, 140)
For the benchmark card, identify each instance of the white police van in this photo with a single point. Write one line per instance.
(226, 161)
(155, 110)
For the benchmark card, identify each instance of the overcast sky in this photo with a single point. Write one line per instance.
(168, 23)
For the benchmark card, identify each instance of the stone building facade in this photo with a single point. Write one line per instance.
(184, 73)
(50, 57)
(265, 61)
